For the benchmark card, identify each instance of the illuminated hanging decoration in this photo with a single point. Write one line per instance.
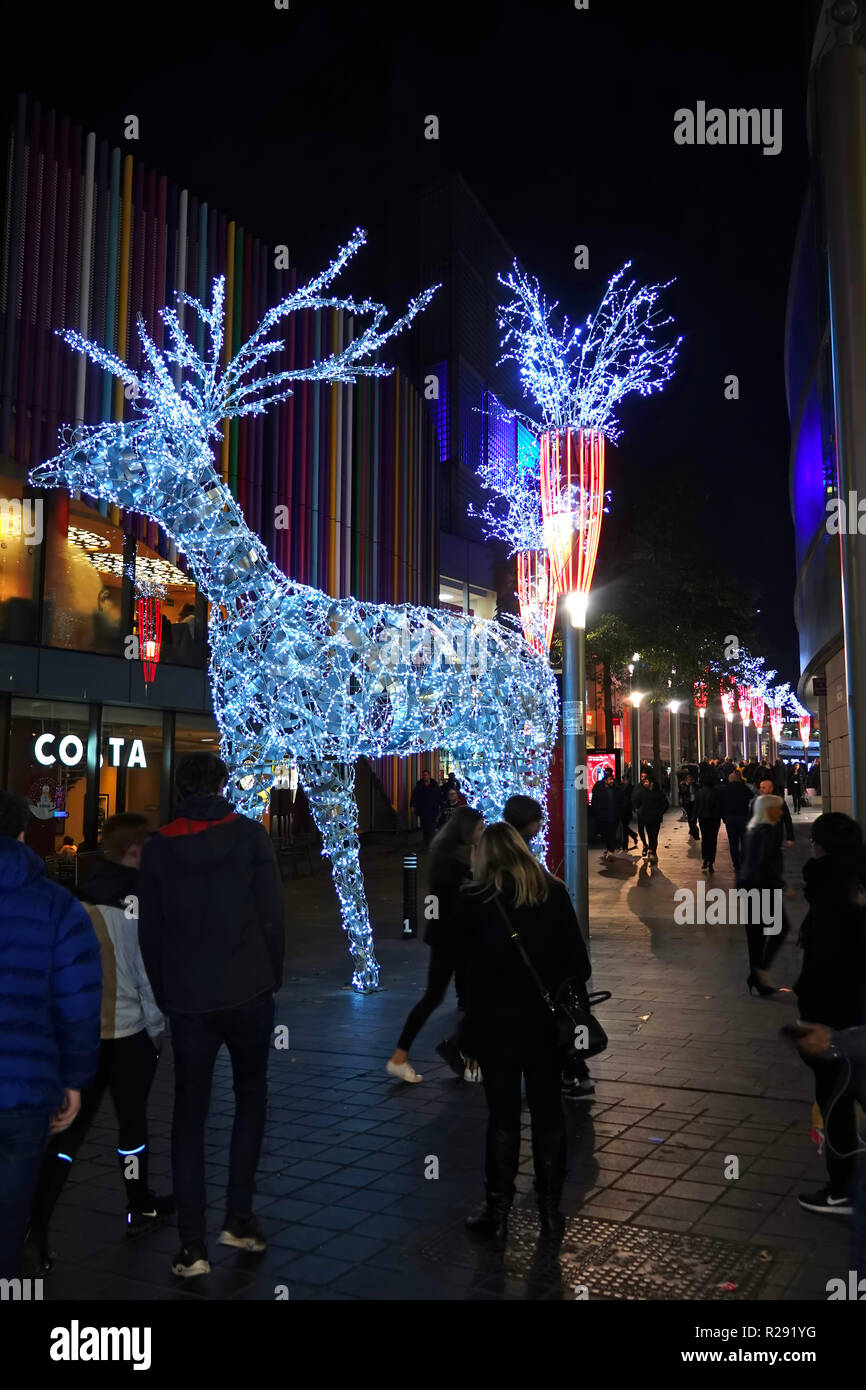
(537, 596)
(727, 697)
(298, 676)
(778, 697)
(572, 505)
(805, 723)
(758, 709)
(701, 694)
(149, 610)
(744, 704)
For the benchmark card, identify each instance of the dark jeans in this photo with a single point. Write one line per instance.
(692, 817)
(607, 831)
(858, 1254)
(840, 1124)
(736, 828)
(439, 973)
(428, 830)
(247, 1032)
(625, 824)
(709, 840)
(650, 829)
(22, 1135)
(797, 798)
(126, 1070)
(503, 1062)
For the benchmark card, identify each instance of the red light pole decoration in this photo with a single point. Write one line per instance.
(805, 722)
(758, 709)
(701, 707)
(149, 609)
(537, 596)
(577, 379)
(777, 698)
(744, 704)
(727, 696)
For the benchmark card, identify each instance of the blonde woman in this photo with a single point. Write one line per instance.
(508, 1026)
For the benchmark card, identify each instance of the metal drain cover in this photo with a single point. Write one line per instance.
(613, 1261)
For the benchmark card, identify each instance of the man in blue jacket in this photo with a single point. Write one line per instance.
(50, 999)
(212, 934)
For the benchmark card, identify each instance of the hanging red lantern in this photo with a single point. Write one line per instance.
(537, 596)
(572, 505)
(149, 608)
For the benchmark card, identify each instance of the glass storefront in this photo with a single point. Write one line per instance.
(131, 770)
(83, 579)
(48, 767)
(182, 642)
(21, 529)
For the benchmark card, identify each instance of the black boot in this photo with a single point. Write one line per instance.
(548, 1152)
(490, 1222)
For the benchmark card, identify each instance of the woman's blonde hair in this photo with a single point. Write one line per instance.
(500, 852)
(760, 807)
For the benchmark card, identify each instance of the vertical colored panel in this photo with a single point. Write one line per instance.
(123, 277)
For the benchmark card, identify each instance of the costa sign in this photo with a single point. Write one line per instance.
(70, 751)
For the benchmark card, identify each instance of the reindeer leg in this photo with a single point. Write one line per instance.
(330, 788)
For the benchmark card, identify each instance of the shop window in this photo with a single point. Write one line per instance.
(131, 768)
(21, 528)
(195, 733)
(182, 641)
(83, 579)
(452, 594)
(482, 602)
(48, 767)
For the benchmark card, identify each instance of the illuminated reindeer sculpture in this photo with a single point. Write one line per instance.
(297, 675)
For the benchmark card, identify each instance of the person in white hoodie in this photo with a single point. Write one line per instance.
(131, 1032)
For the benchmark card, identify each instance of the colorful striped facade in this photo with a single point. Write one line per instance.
(340, 482)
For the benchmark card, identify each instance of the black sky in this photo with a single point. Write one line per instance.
(302, 124)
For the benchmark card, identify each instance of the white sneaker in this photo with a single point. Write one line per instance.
(472, 1072)
(404, 1071)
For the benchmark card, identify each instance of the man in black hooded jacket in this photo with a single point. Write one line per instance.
(212, 935)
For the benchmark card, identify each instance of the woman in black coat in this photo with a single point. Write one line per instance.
(449, 869)
(831, 988)
(650, 805)
(508, 1026)
(761, 868)
(709, 807)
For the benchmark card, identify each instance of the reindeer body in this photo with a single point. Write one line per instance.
(295, 674)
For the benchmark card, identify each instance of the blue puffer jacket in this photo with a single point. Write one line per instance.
(50, 986)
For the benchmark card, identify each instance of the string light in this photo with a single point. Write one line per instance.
(298, 677)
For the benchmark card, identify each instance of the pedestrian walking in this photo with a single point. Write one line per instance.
(131, 1029)
(426, 802)
(761, 868)
(688, 798)
(626, 813)
(819, 1043)
(49, 1019)
(765, 788)
(780, 778)
(650, 804)
(514, 902)
(831, 989)
(736, 809)
(606, 805)
(454, 799)
(450, 868)
(212, 934)
(797, 787)
(708, 803)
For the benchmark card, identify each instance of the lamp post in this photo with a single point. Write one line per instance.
(727, 698)
(701, 707)
(572, 506)
(674, 740)
(744, 704)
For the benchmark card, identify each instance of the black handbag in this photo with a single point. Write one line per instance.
(579, 1034)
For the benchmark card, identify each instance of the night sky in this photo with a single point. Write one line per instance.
(302, 124)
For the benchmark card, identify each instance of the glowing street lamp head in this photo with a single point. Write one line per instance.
(577, 604)
(636, 696)
(673, 705)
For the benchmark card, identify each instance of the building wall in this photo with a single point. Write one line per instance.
(837, 736)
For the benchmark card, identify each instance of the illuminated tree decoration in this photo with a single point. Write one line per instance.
(777, 697)
(298, 676)
(701, 694)
(758, 708)
(744, 704)
(579, 379)
(727, 696)
(149, 608)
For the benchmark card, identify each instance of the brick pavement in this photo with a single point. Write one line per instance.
(695, 1073)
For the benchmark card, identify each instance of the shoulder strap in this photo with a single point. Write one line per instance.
(526, 961)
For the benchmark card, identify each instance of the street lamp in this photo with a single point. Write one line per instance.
(727, 698)
(674, 740)
(701, 707)
(744, 704)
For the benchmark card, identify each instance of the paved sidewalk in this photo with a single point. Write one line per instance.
(695, 1075)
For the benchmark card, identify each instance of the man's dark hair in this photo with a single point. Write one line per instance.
(200, 774)
(521, 810)
(121, 832)
(838, 836)
(14, 814)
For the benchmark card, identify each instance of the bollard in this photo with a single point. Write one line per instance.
(410, 895)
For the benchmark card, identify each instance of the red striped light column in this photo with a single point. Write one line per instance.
(149, 609)
(744, 704)
(572, 506)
